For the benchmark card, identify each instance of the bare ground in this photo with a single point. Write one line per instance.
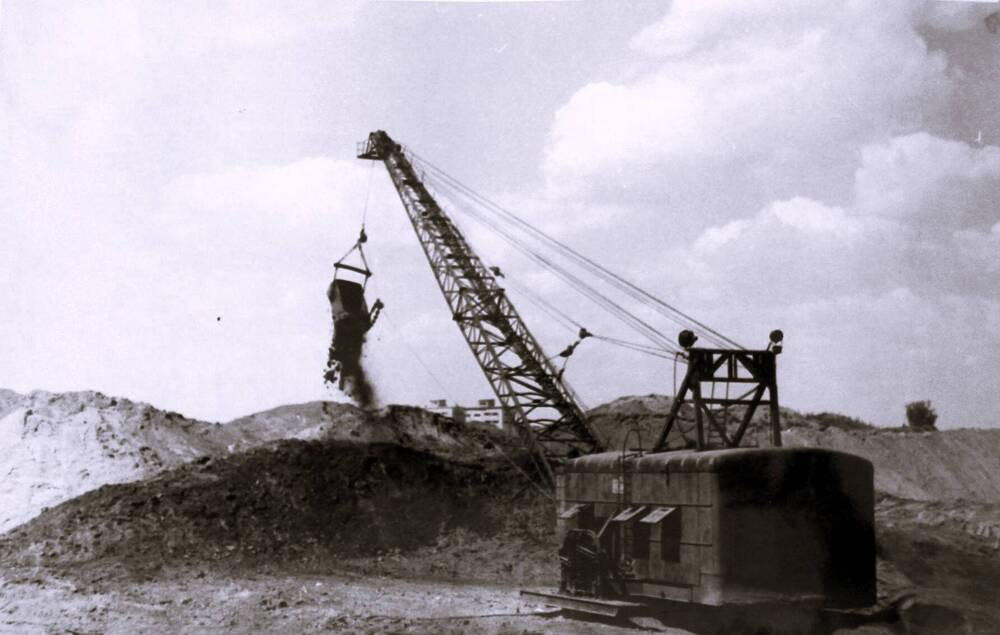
(373, 536)
(95, 600)
(934, 577)
(41, 601)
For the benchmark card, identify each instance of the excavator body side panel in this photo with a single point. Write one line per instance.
(734, 526)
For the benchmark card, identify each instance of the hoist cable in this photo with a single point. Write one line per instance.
(608, 276)
(572, 325)
(630, 319)
(546, 306)
(634, 346)
(368, 191)
(621, 284)
(611, 278)
(581, 286)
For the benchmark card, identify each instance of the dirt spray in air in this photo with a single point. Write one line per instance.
(351, 322)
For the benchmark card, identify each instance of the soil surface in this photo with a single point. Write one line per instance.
(60, 445)
(304, 501)
(183, 601)
(399, 521)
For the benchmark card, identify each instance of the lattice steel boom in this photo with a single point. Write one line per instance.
(543, 407)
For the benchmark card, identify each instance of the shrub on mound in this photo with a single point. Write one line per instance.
(920, 415)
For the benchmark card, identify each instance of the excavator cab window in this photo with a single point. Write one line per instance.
(668, 521)
(641, 536)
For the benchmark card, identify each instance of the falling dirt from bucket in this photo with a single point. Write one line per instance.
(351, 321)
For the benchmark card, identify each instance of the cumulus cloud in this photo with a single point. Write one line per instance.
(790, 246)
(926, 178)
(778, 82)
(922, 213)
(824, 167)
(881, 291)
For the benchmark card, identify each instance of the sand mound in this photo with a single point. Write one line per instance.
(57, 446)
(60, 445)
(944, 556)
(407, 426)
(949, 465)
(321, 501)
(640, 419)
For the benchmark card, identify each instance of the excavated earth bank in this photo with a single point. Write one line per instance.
(60, 445)
(301, 503)
(401, 495)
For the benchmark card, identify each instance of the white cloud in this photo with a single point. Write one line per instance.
(882, 300)
(794, 250)
(981, 248)
(923, 177)
(771, 82)
(693, 25)
(921, 218)
(800, 165)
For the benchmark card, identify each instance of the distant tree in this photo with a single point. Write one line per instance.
(920, 415)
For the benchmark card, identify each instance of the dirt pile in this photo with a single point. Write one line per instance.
(640, 419)
(407, 426)
(8, 399)
(974, 526)
(316, 503)
(942, 554)
(60, 445)
(931, 466)
(403, 493)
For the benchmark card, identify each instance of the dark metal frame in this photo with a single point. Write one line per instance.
(545, 411)
(755, 369)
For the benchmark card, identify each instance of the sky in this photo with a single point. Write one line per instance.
(177, 178)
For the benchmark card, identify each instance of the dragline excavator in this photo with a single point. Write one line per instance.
(725, 521)
(544, 408)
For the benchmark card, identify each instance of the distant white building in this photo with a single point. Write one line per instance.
(486, 412)
(441, 407)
